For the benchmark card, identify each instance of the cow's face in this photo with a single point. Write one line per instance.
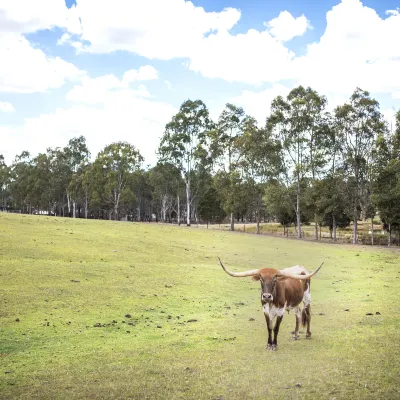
(268, 284)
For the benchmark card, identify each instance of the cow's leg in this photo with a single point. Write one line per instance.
(306, 314)
(269, 326)
(308, 320)
(276, 331)
(298, 321)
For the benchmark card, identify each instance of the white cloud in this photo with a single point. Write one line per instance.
(145, 73)
(253, 57)
(285, 27)
(65, 38)
(104, 88)
(151, 28)
(389, 115)
(24, 69)
(393, 12)
(356, 49)
(105, 110)
(258, 104)
(6, 107)
(27, 16)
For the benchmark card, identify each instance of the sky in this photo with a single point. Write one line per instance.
(118, 70)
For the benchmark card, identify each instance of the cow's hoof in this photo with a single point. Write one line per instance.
(295, 337)
(269, 347)
(274, 347)
(308, 335)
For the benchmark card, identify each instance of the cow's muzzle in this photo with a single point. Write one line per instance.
(266, 297)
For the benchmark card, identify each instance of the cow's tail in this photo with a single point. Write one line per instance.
(304, 317)
(306, 309)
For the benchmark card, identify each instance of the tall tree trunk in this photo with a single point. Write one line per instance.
(334, 227)
(299, 235)
(232, 222)
(139, 217)
(116, 212)
(69, 205)
(372, 231)
(74, 209)
(179, 211)
(355, 227)
(390, 236)
(188, 203)
(258, 212)
(316, 226)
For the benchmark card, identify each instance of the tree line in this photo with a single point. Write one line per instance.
(305, 165)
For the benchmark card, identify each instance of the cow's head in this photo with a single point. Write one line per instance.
(268, 278)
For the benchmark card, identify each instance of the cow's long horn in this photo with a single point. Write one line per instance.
(298, 276)
(251, 272)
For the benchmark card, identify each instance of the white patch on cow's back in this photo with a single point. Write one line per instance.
(272, 311)
(296, 269)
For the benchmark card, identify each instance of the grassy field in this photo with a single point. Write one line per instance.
(111, 310)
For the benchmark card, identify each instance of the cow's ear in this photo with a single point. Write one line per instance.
(255, 277)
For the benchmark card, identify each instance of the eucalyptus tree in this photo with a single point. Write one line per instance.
(277, 196)
(81, 187)
(21, 181)
(75, 153)
(331, 201)
(386, 171)
(260, 160)
(185, 143)
(5, 176)
(42, 193)
(115, 165)
(226, 152)
(210, 207)
(358, 122)
(299, 122)
(166, 181)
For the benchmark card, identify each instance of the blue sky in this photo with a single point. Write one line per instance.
(64, 74)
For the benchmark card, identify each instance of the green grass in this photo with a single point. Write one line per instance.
(165, 276)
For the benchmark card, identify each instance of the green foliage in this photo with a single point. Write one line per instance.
(324, 168)
(185, 143)
(279, 204)
(186, 136)
(303, 129)
(386, 171)
(115, 165)
(358, 122)
(5, 177)
(210, 207)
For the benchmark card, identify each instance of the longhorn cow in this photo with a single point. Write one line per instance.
(282, 290)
